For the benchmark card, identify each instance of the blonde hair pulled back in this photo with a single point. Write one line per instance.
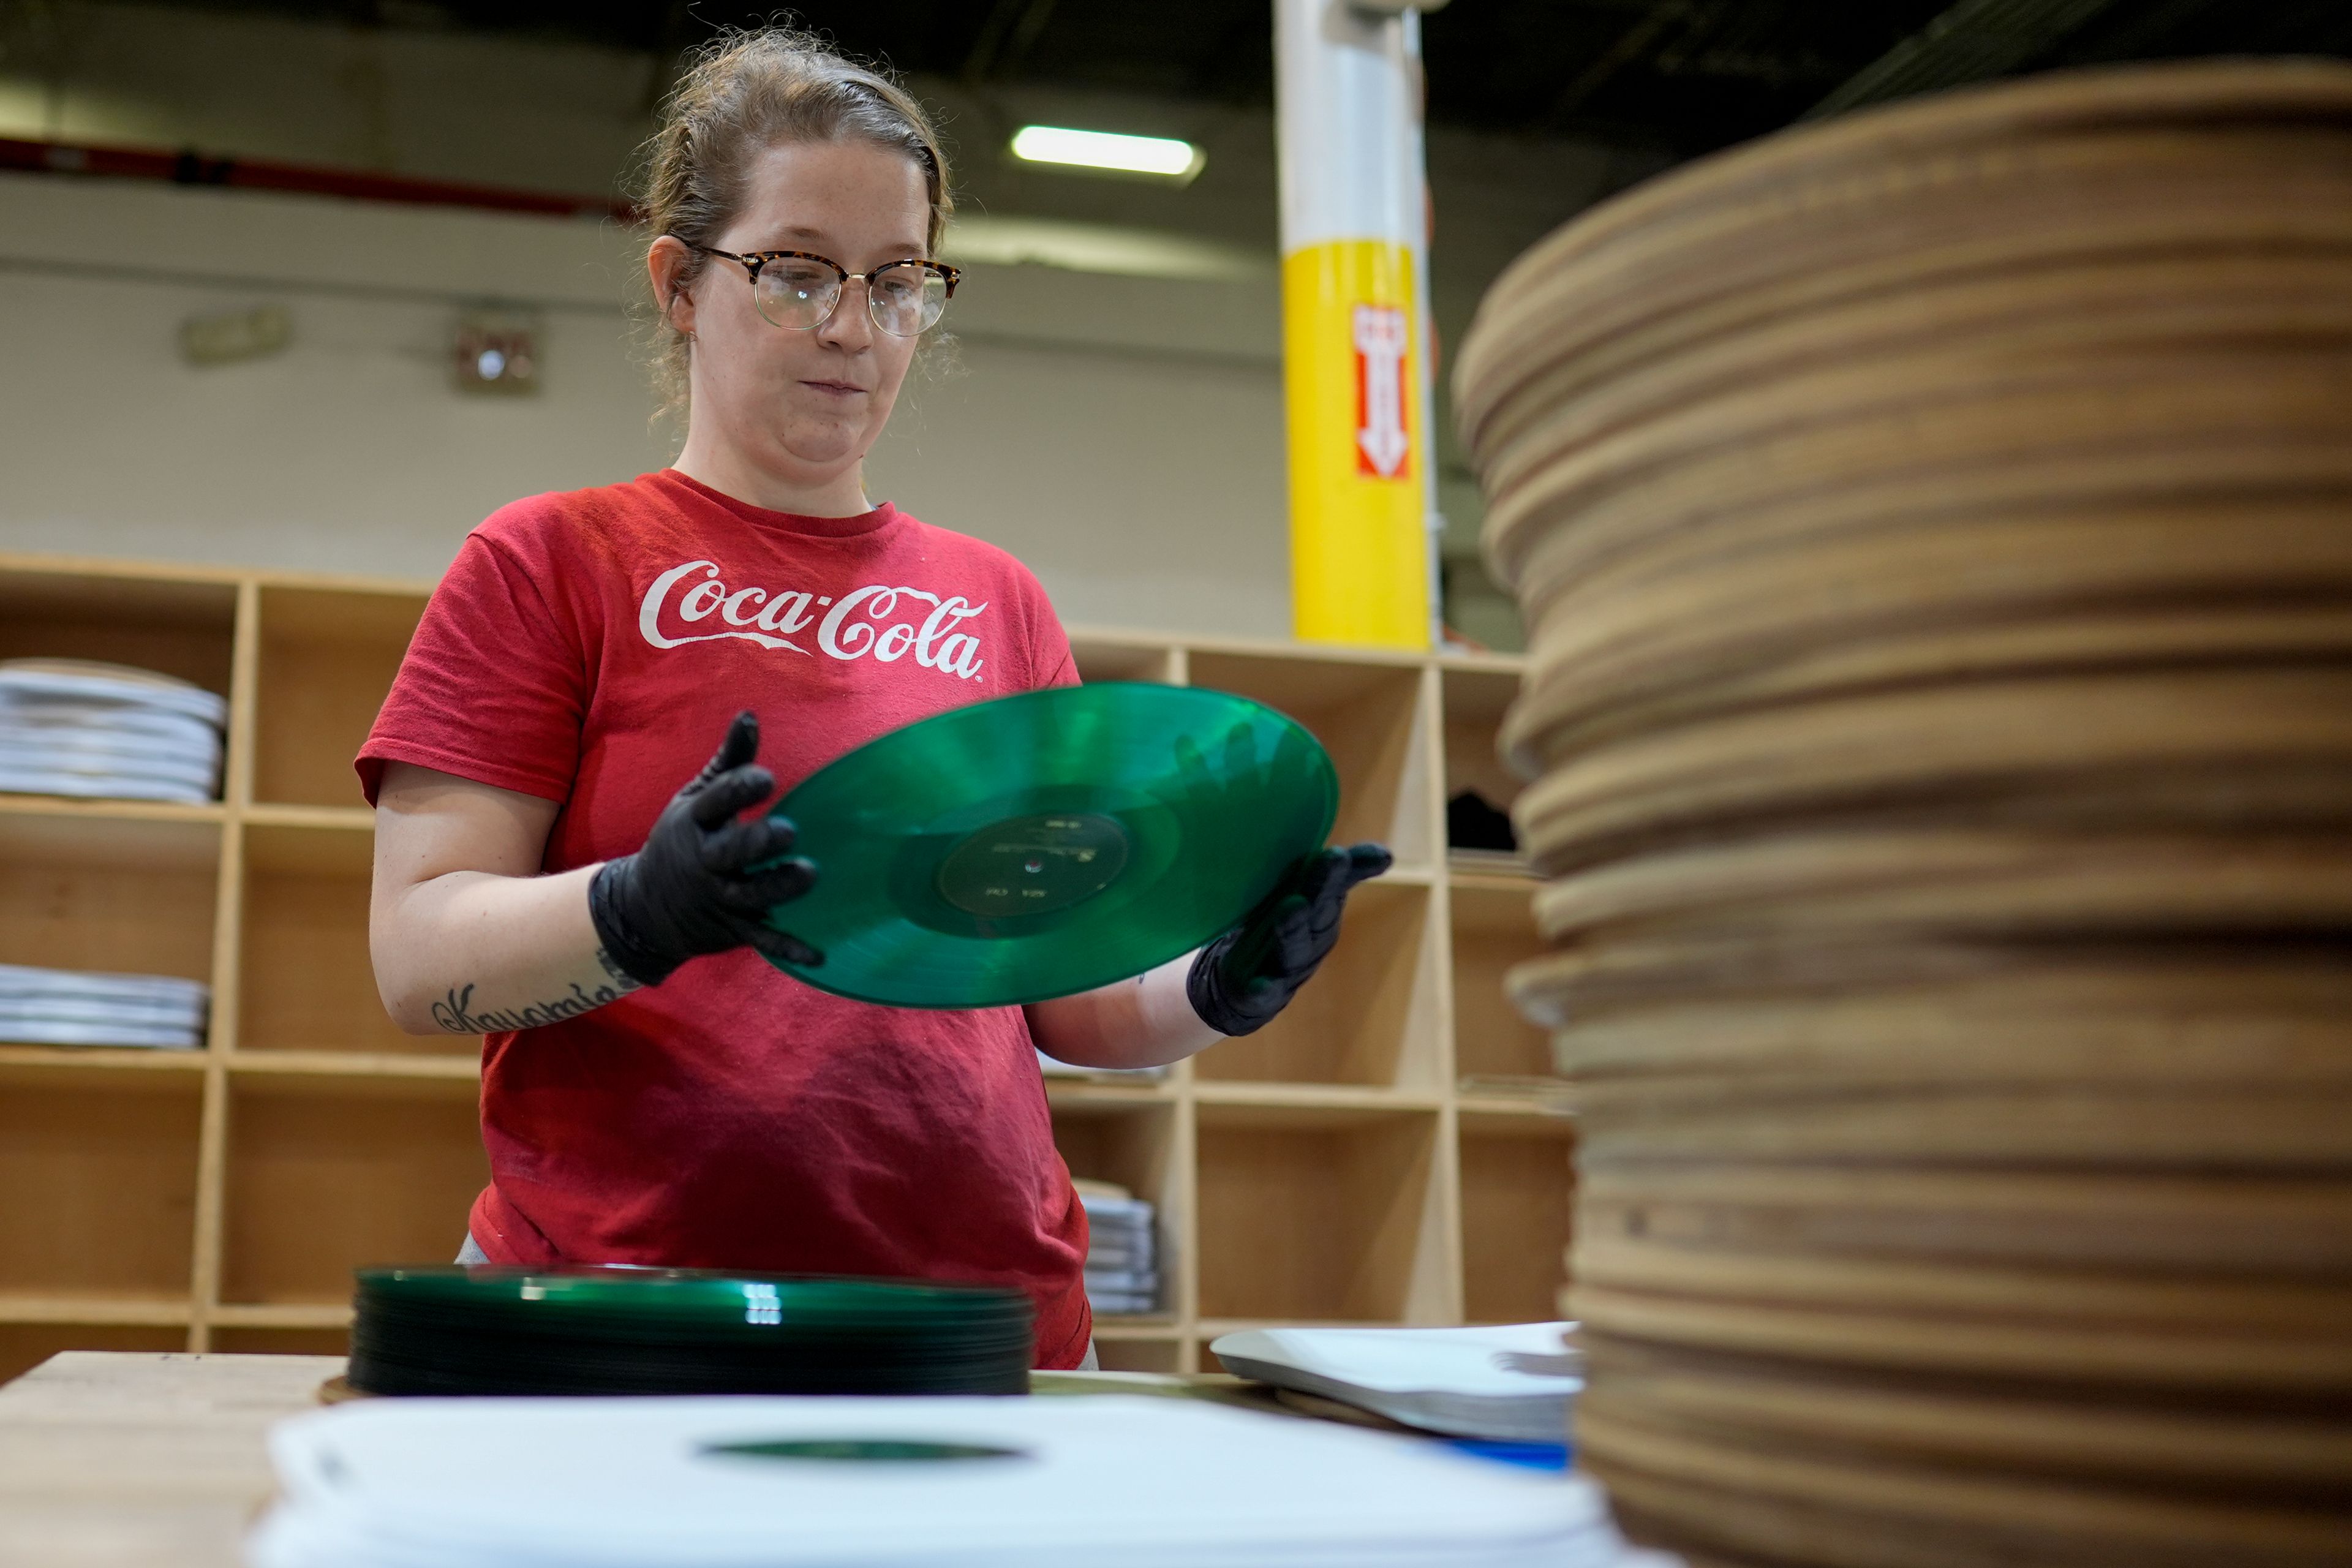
(742, 93)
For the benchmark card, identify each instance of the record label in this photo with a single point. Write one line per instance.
(1035, 865)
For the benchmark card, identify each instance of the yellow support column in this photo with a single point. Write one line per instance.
(1353, 340)
(1359, 545)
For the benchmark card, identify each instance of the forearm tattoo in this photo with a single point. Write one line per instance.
(623, 981)
(455, 1014)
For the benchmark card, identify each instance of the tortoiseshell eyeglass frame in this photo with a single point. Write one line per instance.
(751, 262)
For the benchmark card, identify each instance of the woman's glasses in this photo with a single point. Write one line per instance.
(799, 291)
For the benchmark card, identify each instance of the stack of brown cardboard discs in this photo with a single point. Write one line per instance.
(1934, 530)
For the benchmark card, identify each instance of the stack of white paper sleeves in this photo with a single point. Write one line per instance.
(69, 726)
(1511, 1382)
(863, 1483)
(1122, 1254)
(72, 1007)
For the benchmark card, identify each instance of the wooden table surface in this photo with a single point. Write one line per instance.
(121, 1458)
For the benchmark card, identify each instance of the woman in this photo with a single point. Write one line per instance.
(653, 1091)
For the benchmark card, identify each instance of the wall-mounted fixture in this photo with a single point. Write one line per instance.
(236, 336)
(496, 353)
(1109, 153)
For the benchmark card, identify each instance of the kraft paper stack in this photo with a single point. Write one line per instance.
(1935, 534)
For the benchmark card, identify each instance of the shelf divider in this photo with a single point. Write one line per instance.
(283, 1315)
(72, 807)
(159, 1311)
(343, 819)
(228, 950)
(66, 1062)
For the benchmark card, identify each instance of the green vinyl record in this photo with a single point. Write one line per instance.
(1048, 843)
(450, 1330)
(698, 1300)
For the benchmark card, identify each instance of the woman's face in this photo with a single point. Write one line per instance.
(806, 405)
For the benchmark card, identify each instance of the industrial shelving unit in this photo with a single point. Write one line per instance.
(1384, 1153)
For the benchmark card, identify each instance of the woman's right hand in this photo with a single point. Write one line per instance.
(705, 881)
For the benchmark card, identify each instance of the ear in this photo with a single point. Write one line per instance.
(666, 266)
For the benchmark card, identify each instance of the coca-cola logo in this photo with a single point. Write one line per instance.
(868, 622)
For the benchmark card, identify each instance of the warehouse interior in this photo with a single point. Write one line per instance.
(1093, 298)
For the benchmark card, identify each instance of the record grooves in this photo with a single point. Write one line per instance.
(1048, 843)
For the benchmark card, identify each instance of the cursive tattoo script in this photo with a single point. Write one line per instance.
(621, 980)
(454, 1013)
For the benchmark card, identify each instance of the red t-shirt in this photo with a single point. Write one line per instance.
(590, 649)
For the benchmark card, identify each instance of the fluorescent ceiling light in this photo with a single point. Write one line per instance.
(1162, 156)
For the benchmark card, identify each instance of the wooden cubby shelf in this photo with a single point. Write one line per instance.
(1375, 1156)
(307, 983)
(142, 889)
(1371, 712)
(391, 1165)
(35, 1065)
(1122, 1354)
(100, 1173)
(1494, 1050)
(1475, 694)
(1369, 1019)
(1332, 1213)
(1134, 1146)
(1516, 1185)
(326, 658)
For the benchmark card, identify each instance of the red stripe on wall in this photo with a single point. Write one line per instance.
(192, 168)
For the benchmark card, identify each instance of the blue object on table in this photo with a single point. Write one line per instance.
(1532, 1456)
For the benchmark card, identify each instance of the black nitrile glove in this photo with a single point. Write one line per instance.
(1250, 974)
(693, 887)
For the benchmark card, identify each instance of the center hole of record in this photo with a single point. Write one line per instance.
(1035, 865)
(860, 1450)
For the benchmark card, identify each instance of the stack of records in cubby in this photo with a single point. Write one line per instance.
(73, 1007)
(1122, 1250)
(70, 726)
(1479, 838)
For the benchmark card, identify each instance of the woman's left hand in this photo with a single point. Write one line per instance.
(1243, 978)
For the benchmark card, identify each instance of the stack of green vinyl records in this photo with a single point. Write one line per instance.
(615, 1330)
